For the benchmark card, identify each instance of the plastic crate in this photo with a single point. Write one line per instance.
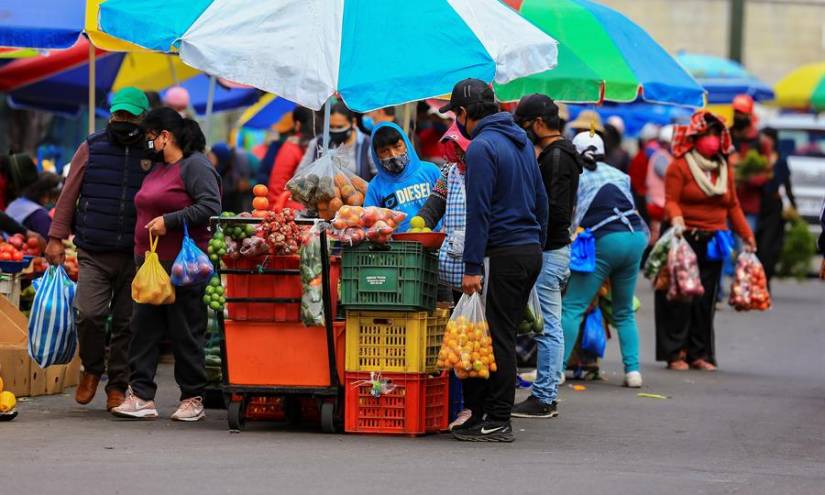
(271, 286)
(395, 341)
(418, 404)
(402, 276)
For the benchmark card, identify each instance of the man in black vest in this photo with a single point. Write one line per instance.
(97, 205)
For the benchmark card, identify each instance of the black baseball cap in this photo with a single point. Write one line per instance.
(534, 106)
(467, 92)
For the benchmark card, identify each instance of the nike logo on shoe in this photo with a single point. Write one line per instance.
(485, 431)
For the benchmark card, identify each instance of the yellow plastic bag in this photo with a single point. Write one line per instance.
(151, 284)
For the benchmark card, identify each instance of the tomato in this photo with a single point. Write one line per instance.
(5, 256)
(18, 256)
(260, 191)
(32, 242)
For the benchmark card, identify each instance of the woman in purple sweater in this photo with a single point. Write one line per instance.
(182, 187)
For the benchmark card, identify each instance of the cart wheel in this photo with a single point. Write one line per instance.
(328, 417)
(292, 411)
(235, 416)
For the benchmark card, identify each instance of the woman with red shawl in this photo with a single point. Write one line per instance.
(700, 200)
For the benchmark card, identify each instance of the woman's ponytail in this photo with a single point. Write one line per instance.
(187, 132)
(191, 138)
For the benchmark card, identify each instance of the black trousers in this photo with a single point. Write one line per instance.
(689, 326)
(770, 233)
(513, 272)
(103, 289)
(184, 323)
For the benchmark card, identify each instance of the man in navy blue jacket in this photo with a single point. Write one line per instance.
(507, 223)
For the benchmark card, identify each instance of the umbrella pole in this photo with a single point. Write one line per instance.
(92, 87)
(327, 113)
(210, 100)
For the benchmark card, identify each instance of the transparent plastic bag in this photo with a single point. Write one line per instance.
(683, 268)
(191, 266)
(657, 259)
(312, 300)
(468, 347)
(532, 321)
(354, 224)
(324, 186)
(151, 284)
(749, 290)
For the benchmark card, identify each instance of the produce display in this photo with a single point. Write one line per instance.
(467, 347)
(325, 186)
(418, 226)
(312, 299)
(354, 224)
(214, 296)
(260, 204)
(70, 263)
(282, 236)
(683, 269)
(18, 246)
(749, 290)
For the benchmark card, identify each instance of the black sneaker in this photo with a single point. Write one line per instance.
(486, 431)
(534, 408)
(472, 422)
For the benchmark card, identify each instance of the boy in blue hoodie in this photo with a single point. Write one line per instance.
(404, 181)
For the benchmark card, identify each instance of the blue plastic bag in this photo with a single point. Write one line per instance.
(721, 246)
(52, 322)
(583, 253)
(192, 266)
(594, 338)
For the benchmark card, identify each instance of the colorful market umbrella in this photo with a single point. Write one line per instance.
(723, 79)
(59, 81)
(602, 56)
(373, 54)
(803, 89)
(41, 24)
(265, 112)
(224, 98)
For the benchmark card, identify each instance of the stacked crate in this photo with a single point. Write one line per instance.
(394, 333)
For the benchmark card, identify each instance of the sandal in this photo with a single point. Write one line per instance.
(678, 365)
(701, 364)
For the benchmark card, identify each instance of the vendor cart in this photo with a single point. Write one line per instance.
(269, 359)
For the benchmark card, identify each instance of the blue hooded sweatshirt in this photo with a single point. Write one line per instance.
(407, 191)
(506, 199)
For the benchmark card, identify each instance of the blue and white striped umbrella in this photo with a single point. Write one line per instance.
(373, 53)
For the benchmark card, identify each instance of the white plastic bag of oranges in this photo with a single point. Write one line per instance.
(467, 346)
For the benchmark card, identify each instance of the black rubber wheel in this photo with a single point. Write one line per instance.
(328, 417)
(235, 416)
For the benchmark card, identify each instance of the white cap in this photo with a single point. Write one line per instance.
(666, 134)
(587, 143)
(617, 122)
(649, 131)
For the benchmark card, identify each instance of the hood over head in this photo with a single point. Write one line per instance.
(414, 160)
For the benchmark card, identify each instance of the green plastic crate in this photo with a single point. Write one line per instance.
(402, 276)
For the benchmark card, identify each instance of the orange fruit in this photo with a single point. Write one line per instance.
(260, 190)
(260, 203)
(484, 374)
(493, 367)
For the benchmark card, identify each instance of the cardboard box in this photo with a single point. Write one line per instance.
(15, 369)
(72, 372)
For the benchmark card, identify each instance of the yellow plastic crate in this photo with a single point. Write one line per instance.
(394, 341)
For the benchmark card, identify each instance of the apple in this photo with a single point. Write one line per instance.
(177, 270)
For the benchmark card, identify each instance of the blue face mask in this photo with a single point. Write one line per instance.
(367, 123)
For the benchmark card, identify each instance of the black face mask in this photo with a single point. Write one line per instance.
(531, 135)
(155, 155)
(337, 138)
(741, 122)
(125, 133)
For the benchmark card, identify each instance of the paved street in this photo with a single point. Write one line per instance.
(757, 426)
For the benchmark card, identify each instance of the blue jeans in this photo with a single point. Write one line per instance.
(555, 271)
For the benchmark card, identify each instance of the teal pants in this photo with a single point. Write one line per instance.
(617, 259)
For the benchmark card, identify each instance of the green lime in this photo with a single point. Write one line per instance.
(222, 252)
(215, 305)
(207, 300)
(218, 236)
(222, 300)
(210, 290)
(216, 282)
(219, 290)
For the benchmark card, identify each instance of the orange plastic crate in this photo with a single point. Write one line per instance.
(271, 286)
(419, 404)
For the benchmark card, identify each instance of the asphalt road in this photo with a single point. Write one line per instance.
(757, 426)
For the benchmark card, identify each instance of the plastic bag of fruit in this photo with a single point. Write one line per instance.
(151, 284)
(467, 347)
(324, 186)
(657, 259)
(749, 290)
(683, 268)
(312, 299)
(192, 266)
(375, 224)
(532, 321)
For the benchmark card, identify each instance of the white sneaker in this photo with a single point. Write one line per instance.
(136, 408)
(462, 418)
(190, 409)
(563, 378)
(633, 379)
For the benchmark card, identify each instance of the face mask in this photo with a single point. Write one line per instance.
(462, 129)
(367, 123)
(741, 122)
(337, 137)
(125, 133)
(708, 146)
(532, 136)
(396, 164)
(153, 154)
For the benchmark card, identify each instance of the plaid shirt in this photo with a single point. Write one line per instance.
(450, 257)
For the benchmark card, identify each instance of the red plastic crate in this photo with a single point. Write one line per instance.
(271, 286)
(419, 404)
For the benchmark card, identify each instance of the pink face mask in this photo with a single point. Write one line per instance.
(708, 145)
